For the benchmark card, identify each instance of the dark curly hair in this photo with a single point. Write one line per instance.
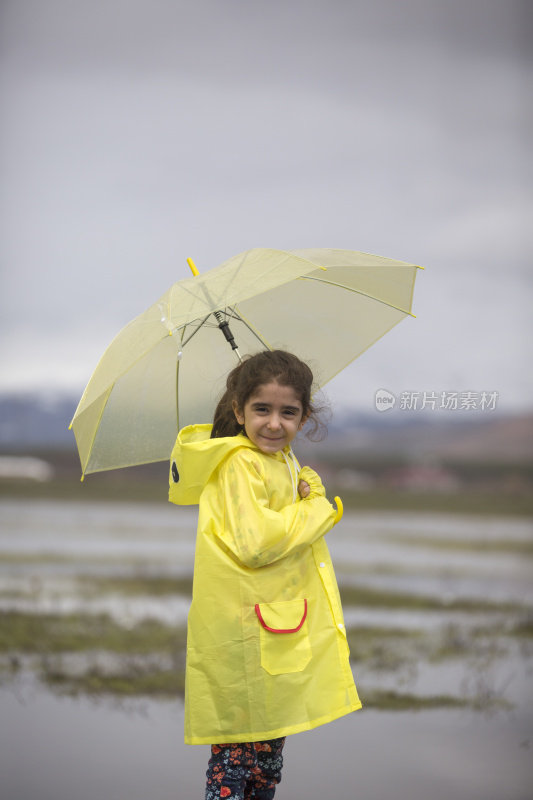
(264, 367)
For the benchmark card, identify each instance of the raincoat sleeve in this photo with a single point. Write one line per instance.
(256, 533)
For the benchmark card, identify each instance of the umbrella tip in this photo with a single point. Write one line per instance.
(193, 267)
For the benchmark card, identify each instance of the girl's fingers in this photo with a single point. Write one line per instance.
(303, 489)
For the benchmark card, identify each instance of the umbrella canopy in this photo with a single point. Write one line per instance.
(167, 367)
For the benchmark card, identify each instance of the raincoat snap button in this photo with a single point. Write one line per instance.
(340, 626)
(322, 563)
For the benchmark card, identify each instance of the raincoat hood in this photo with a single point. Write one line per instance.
(196, 456)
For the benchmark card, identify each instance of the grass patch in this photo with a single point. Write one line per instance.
(376, 598)
(524, 629)
(168, 683)
(94, 655)
(154, 585)
(454, 642)
(388, 700)
(388, 649)
(112, 488)
(513, 546)
(150, 484)
(51, 637)
(56, 633)
(159, 585)
(35, 558)
(93, 559)
(471, 501)
(383, 648)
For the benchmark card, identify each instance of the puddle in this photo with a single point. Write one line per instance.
(58, 748)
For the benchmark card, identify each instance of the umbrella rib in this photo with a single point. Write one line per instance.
(234, 315)
(355, 291)
(97, 426)
(252, 330)
(202, 323)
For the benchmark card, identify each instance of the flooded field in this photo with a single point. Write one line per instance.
(93, 606)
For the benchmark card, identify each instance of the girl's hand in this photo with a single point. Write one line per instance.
(303, 489)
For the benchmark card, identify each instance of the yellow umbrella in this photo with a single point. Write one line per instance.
(167, 367)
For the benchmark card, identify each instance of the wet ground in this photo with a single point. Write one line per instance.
(439, 609)
(57, 748)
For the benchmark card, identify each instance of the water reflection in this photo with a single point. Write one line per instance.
(407, 580)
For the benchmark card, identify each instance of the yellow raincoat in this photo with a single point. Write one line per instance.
(267, 654)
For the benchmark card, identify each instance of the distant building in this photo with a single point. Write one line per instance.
(420, 478)
(26, 468)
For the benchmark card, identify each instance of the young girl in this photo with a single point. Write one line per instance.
(267, 654)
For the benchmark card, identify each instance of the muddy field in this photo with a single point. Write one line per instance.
(93, 602)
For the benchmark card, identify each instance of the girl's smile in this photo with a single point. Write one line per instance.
(272, 416)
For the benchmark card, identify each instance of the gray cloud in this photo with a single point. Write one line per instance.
(136, 134)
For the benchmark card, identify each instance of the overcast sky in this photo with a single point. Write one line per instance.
(136, 133)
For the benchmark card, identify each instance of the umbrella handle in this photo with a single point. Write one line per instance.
(340, 510)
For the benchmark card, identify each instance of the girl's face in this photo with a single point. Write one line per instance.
(272, 416)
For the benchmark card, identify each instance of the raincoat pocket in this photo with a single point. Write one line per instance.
(284, 637)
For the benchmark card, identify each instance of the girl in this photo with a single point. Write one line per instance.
(267, 654)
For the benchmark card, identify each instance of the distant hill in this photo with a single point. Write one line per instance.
(485, 437)
(32, 422)
(508, 439)
(29, 421)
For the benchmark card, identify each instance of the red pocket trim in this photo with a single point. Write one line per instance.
(280, 630)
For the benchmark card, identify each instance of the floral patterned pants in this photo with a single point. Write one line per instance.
(247, 771)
